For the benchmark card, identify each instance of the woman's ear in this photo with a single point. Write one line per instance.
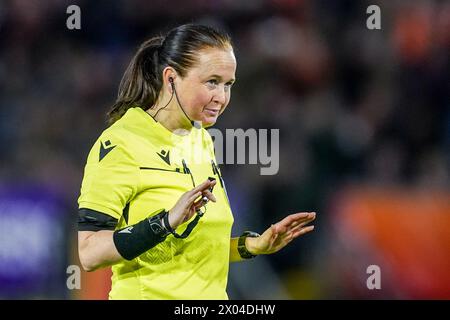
(169, 76)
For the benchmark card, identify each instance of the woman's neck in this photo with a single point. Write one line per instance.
(171, 119)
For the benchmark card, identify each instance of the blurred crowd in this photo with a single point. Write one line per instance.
(353, 105)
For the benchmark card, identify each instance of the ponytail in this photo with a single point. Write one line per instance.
(141, 82)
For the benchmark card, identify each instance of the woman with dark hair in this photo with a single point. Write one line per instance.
(141, 207)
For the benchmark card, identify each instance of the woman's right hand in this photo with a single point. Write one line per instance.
(186, 206)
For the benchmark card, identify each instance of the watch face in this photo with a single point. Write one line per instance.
(251, 234)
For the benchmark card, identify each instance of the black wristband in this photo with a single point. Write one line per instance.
(242, 249)
(134, 240)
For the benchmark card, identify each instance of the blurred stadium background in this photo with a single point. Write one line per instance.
(364, 119)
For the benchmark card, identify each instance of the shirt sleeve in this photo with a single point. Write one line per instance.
(111, 179)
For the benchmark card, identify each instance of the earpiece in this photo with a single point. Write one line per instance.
(171, 83)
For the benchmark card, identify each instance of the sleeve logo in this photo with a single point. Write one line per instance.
(105, 148)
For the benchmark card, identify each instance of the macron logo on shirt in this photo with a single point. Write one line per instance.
(105, 148)
(164, 155)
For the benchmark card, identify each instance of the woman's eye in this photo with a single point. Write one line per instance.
(213, 83)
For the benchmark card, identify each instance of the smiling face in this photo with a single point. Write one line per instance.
(205, 91)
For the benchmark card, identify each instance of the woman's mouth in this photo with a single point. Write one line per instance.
(212, 112)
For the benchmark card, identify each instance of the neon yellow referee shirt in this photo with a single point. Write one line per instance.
(135, 169)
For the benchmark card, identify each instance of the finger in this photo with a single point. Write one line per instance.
(192, 198)
(298, 215)
(197, 205)
(203, 186)
(295, 217)
(200, 188)
(205, 197)
(189, 213)
(302, 231)
(308, 218)
(297, 231)
(303, 217)
(289, 237)
(208, 194)
(297, 225)
(297, 228)
(212, 183)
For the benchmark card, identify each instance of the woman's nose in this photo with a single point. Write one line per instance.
(220, 95)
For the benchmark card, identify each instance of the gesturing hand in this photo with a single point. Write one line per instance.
(280, 234)
(186, 206)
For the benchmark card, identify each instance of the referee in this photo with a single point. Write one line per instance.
(153, 202)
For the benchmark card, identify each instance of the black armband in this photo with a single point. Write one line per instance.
(134, 240)
(91, 220)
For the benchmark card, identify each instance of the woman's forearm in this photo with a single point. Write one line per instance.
(97, 250)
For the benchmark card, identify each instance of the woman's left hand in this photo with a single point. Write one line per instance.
(280, 234)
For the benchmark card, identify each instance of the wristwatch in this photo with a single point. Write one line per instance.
(242, 249)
